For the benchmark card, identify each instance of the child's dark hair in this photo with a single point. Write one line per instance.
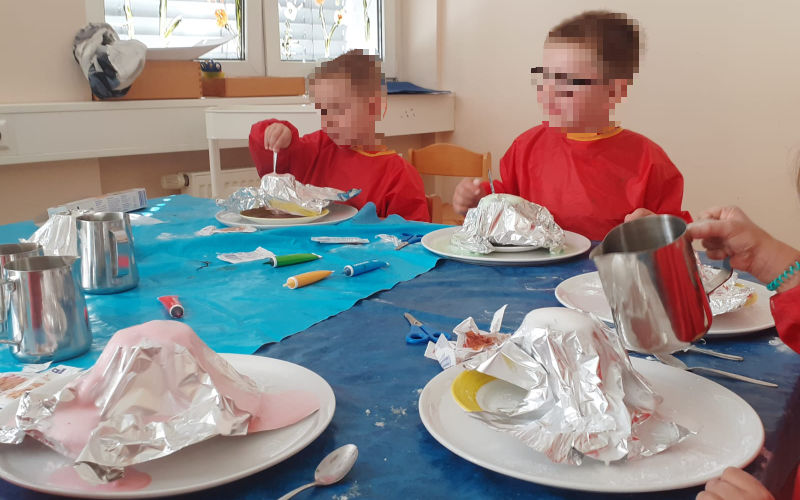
(614, 36)
(363, 71)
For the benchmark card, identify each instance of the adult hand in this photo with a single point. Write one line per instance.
(728, 232)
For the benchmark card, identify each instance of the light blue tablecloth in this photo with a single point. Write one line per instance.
(239, 307)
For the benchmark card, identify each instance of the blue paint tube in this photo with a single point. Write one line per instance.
(363, 267)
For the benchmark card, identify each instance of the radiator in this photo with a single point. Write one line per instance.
(199, 183)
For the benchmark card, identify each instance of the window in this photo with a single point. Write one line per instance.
(300, 33)
(181, 23)
(257, 30)
(313, 30)
(243, 55)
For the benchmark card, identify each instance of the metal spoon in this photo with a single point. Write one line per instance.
(491, 181)
(688, 348)
(331, 470)
(275, 162)
(709, 352)
(671, 360)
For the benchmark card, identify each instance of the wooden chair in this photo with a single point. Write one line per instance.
(448, 160)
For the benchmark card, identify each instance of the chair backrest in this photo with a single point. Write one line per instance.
(450, 160)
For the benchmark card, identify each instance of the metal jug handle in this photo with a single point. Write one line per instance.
(120, 239)
(721, 277)
(7, 287)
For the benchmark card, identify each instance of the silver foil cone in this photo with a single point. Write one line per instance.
(156, 388)
(284, 192)
(728, 297)
(59, 234)
(581, 395)
(508, 220)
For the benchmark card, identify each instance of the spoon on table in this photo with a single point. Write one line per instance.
(331, 470)
(671, 360)
(709, 352)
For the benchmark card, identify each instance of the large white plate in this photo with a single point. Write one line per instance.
(729, 433)
(438, 242)
(585, 293)
(338, 213)
(513, 249)
(211, 463)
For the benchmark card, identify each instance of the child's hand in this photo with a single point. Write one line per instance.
(277, 136)
(467, 195)
(638, 214)
(734, 484)
(728, 232)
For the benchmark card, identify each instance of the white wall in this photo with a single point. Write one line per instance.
(718, 89)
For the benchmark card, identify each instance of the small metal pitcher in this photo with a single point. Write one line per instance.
(12, 251)
(650, 277)
(105, 248)
(46, 316)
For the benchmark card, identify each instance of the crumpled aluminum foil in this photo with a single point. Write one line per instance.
(730, 296)
(583, 397)
(59, 234)
(284, 192)
(470, 341)
(155, 389)
(504, 219)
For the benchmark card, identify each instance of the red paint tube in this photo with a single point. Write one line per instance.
(172, 305)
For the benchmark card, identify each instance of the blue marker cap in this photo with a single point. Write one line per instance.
(363, 267)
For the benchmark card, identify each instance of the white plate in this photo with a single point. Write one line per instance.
(217, 461)
(438, 242)
(338, 213)
(585, 293)
(729, 433)
(285, 221)
(513, 249)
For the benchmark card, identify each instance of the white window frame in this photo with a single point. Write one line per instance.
(276, 67)
(254, 63)
(262, 25)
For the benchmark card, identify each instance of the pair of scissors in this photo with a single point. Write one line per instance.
(407, 239)
(418, 334)
(210, 66)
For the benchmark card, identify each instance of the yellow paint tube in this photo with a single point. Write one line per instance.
(304, 279)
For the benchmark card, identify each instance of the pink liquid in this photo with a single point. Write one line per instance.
(282, 409)
(66, 477)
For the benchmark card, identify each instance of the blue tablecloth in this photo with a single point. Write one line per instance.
(370, 367)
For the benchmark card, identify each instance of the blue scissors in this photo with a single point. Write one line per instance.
(418, 334)
(210, 66)
(407, 239)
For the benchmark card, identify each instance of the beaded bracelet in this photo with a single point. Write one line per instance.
(777, 282)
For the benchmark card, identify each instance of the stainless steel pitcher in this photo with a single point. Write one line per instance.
(105, 248)
(13, 251)
(650, 277)
(46, 318)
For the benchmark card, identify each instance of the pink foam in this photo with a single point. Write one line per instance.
(75, 419)
(72, 425)
(282, 409)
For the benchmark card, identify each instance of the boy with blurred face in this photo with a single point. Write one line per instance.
(588, 171)
(346, 153)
